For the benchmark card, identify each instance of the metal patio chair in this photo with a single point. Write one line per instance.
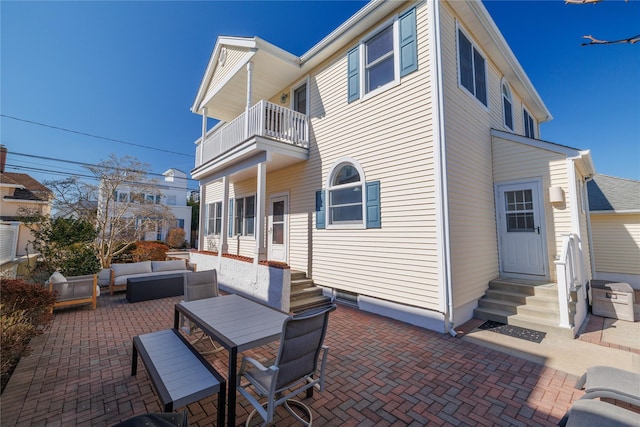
(295, 369)
(200, 285)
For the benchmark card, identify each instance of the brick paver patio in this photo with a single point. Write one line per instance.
(380, 372)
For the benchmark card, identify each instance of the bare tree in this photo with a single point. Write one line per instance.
(124, 204)
(593, 40)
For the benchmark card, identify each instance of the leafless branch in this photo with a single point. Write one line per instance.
(631, 40)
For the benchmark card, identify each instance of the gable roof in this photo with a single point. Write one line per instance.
(276, 68)
(26, 188)
(609, 193)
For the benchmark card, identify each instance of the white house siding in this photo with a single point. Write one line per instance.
(616, 242)
(390, 135)
(234, 56)
(474, 253)
(515, 161)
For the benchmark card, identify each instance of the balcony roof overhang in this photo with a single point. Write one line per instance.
(225, 98)
(240, 163)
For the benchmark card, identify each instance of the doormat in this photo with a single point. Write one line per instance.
(513, 331)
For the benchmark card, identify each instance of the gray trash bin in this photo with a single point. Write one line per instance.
(614, 300)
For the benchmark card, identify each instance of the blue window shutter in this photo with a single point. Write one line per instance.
(408, 43)
(320, 211)
(353, 74)
(231, 217)
(373, 204)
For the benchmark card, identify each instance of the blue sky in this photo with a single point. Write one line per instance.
(129, 71)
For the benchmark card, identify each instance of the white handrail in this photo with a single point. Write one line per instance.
(263, 119)
(570, 274)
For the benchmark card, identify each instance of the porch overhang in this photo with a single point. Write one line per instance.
(223, 88)
(241, 162)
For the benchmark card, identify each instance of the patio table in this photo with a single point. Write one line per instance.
(237, 323)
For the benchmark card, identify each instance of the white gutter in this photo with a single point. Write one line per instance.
(440, 164)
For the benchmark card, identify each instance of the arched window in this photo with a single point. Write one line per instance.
(507, 104)
(345, 191)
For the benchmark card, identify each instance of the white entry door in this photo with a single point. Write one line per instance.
(521, 229)
(278, 228)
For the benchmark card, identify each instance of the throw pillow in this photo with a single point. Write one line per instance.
(57, 277)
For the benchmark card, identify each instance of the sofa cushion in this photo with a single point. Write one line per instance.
(168, 265)
(122, 280)
(133, 268)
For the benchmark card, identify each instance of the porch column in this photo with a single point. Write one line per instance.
(203, 207)
(261, 192)
(224, 227)
(205, 112)
(249, 89)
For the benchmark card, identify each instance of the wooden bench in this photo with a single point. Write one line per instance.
(179, 374)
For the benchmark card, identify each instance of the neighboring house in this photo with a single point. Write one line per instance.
(614, 205)
(172, 193)
(398, 163)
(18, 191)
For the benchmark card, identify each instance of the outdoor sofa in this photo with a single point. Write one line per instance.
(121, 272)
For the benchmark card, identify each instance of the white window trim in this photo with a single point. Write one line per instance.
(293, 90)
(475, 46)
(396, 59)
(504, 121)
(328, 186)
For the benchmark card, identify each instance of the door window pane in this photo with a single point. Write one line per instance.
(278, 234)
(519, 211)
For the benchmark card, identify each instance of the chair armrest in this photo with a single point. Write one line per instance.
(252, 361)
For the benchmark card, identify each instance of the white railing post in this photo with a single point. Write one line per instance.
(564, 267)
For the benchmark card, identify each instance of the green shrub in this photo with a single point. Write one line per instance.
(25, 311)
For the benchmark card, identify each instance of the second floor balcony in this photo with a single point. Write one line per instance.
(265, 127)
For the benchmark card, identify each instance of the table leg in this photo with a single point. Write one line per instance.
(176, 319)
(233, 369)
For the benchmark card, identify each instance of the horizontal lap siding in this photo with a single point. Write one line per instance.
(616, 242)
(469, 172)
(514, 161)
(391, 136)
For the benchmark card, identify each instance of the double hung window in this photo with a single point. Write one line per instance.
(345, 196)
(382, 57)
(472, 68)
(245, 213)
(379, 60)
(507, 106)
(213, 223)
(529, 124)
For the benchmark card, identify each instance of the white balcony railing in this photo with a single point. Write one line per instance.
(263, 119)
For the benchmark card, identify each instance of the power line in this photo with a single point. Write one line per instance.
(78, 175)
(93, 136)
(33, 156)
